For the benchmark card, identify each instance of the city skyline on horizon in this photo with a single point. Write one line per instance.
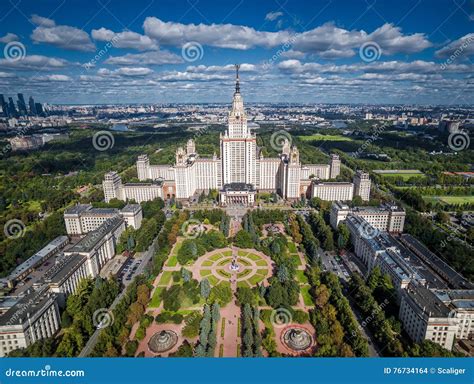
(293, 53)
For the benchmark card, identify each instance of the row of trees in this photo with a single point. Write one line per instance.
(387, 337)
(252, 339)
(322, 231)
(310, 243)
(208, 331)
(216, 217)
(167, 238)
(352, 335)
(192, 249)
(332, 338)
(140, 239)
(78, 318)
(126, 313)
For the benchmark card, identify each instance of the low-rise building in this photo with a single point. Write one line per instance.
(387, 217)
(83, 218)
(343, 191)
(34, 317)
(99, 245)
(25, 268)
(64, 277)
(331, 191)
(425, 317)
(461, 304)
(454, 278)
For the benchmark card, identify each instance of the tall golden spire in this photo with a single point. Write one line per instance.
(237, 80)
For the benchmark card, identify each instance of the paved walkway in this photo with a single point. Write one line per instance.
(230, 315)
(223, 265)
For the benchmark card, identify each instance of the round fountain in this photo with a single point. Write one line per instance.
(162, 341)
(297, 339)
(234, 267)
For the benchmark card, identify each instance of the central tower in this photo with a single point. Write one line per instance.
(238, 144)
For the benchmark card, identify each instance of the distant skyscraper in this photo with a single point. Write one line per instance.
(11, 108)
(22, 105)
(4, 106)
(39, 109)
(32, 105)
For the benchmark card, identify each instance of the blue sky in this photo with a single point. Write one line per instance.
(145, 51)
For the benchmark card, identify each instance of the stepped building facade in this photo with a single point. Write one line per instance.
(238, 174)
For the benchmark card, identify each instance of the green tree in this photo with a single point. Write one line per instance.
(205, 288)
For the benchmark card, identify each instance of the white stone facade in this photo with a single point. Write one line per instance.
(241, 163)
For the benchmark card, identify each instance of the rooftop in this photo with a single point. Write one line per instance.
(52, 246)
(77, 209)
(330, 183)
(131, 208)
(457, 298)
(28, 305)
(62, 269)
(427, 301)
(456, 279)
(88, 242)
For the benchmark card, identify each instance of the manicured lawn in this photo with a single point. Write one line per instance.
(223, 327)
(172, 261)
(404, 173)
(244, 273)
(243, 261)
(450, 199)
(297, 259)
(242, 284)
(262, 272)
(207, 263)
(216, 257)
(307, 299)
(292, 247)
(223, 273)
(156, 299)
(320, 137)
(221, 350)
(177, 247)
(165, 278)
(213, 280)
(225, 284)
(261, 263)
(241, 253)
(254, 257)
(227, 253)
(255, 279)
(224, 261)
(205, 272)
(301, 277)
